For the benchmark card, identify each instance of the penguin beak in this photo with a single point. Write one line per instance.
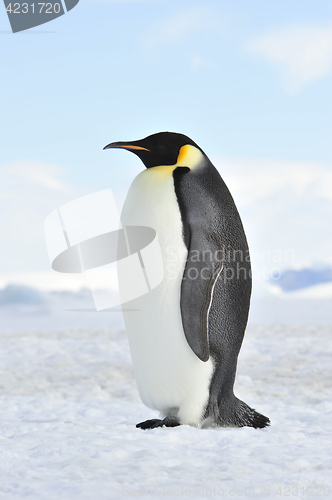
(125, 145)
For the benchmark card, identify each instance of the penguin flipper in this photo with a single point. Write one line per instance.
(202, 269)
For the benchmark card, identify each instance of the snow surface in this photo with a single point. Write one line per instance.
(69, 406)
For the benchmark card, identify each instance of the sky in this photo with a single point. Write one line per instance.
(250, 82)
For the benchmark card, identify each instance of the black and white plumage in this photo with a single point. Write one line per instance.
(186, 334)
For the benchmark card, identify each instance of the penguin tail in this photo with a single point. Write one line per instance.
(248, 417)
(239, 414)
(260, 421)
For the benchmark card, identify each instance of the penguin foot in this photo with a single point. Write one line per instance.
(241, 415)
(156, 422)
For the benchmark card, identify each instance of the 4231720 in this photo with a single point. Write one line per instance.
(32, 8)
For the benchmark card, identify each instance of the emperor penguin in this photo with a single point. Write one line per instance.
(185, 334)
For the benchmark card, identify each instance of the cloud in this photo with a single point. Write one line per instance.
(285, 206)
(180, 26)
(300, 54)
(255, 180)
(29, 192)
(36, 173)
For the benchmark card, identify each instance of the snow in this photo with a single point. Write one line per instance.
(69, 406)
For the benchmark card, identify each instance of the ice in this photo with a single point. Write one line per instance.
(69, 406)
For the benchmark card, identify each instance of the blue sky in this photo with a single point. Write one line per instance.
(250, 82)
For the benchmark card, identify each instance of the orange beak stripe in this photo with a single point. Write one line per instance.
(134, 147)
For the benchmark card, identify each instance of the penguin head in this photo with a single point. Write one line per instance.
(163, 148)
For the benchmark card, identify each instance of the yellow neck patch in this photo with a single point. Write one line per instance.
(189, 156)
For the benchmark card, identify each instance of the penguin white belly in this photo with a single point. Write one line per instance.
(169, 376)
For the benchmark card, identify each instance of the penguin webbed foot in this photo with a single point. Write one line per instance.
(156, 422)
